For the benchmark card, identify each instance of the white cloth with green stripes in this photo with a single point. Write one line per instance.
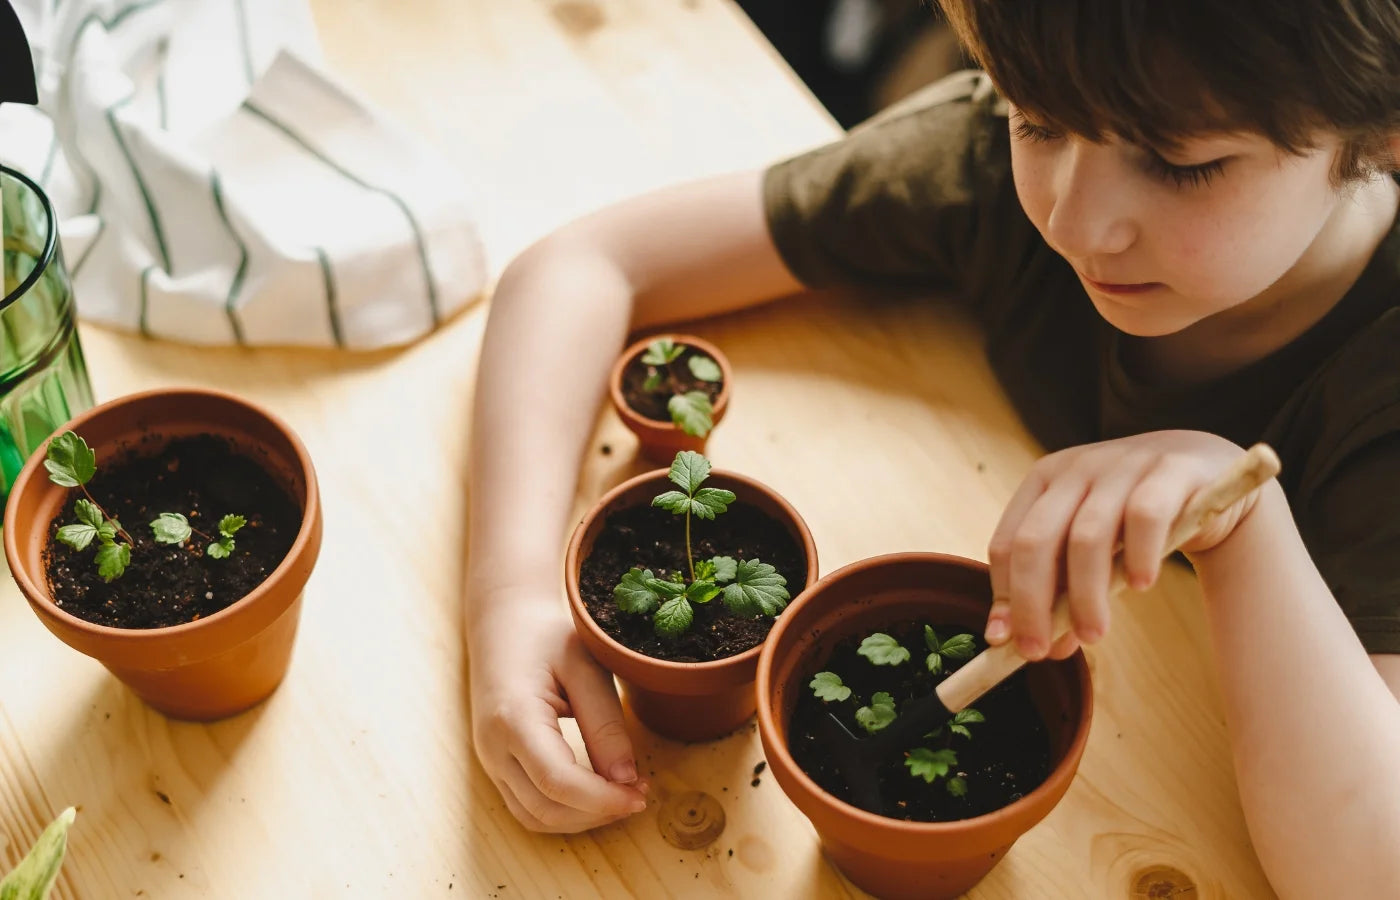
(215, 186)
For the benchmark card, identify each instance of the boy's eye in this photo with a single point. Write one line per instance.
(1027, 130)
(1198, 175)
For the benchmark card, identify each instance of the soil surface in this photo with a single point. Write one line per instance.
(652, 404)
(202, 478)
(651, 538)
(1007, 756)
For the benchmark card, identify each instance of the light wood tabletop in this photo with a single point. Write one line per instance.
(881, 423)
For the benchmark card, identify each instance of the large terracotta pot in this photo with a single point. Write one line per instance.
(661, 441)
(215, 666)
(682, 701)
(892, 858)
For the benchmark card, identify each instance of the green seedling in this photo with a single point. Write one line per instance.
(748, 588)
(33, 878)
(881, 649)
(690, 410)
(72, 463)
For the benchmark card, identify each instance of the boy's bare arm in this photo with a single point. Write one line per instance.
(559, 316)
(1314, 722)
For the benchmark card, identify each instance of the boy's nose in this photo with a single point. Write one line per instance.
(1091, 215)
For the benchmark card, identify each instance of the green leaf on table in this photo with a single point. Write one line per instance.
(956, 786)
(883, 650)
(692, 412)
(829, 687)
(688, 471)
(662, 352)
(959, 646)
(725, 569)
(757, 590)
(171, 528)
(704, 368)
(112, 560)
(878, 714)
(673, 618)
(33, 878)
(929, 764)
(77, 536)
(229, 525)
(70, 460)
(634, 594)
(88, 512)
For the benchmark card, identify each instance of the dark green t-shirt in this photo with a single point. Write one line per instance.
(921, 199)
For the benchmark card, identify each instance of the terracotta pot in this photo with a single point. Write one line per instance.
(892, 858)
(661, 441)
(215, 666)
(682, 701)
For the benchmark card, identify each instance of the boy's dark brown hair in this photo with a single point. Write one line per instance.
(1158, 71)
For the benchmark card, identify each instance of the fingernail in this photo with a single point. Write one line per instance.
(1030, 648)
(623, 772)
(637, 805)
(996, 630)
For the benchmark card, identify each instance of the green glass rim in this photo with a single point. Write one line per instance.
(50, 240)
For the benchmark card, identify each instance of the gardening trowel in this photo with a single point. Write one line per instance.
(859, 757)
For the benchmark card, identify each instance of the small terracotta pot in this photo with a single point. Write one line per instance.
(215, 666)
(682, 701)
(892, 858)
(661, 441)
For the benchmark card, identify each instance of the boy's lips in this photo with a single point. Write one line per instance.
(1109, 287)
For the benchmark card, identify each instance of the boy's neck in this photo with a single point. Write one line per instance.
(1233, 339)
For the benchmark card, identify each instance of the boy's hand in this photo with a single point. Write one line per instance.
(528, 669)
(1077, 506)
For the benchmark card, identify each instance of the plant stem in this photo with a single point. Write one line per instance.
(688, 558)
(121, 531)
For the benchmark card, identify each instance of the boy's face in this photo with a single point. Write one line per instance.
(1162, 241)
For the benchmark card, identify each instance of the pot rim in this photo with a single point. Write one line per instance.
(767, 722)
(40, 595)
(636, 420)
(573, 564)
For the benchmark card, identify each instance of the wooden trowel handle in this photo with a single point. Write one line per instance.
(990, 667)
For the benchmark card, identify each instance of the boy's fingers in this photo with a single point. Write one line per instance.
(998, 622)
(599, 716)
(539, 813)
(1035, 565)
(999, 548)
(1148, 516)
(549, 762)
(1089, 551)
(1064, 647)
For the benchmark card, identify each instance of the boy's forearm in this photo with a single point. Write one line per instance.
(557, 321)
(1313, 726)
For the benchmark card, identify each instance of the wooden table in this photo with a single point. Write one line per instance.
(357, 778)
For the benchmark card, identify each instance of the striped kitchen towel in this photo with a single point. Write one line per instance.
(215, 186)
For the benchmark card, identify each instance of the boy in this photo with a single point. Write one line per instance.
(1177, 224)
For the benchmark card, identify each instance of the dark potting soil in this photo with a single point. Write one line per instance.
(1007, 757)
(202, 478)
(651, 538)
(681, 380)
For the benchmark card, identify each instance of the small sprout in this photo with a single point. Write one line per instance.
(879, 714)
(959, 646)
(171, 528)
(957, 786)
(883, 650)
(72, 463)
(963, 719)
(828, 687)
(930, 765)
(691, 411)
(750, 587)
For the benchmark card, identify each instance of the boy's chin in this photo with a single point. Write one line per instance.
(1142, 322)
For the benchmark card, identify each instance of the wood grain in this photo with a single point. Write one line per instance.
(356, 779)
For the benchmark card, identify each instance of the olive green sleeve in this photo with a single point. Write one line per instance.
(912, 198)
